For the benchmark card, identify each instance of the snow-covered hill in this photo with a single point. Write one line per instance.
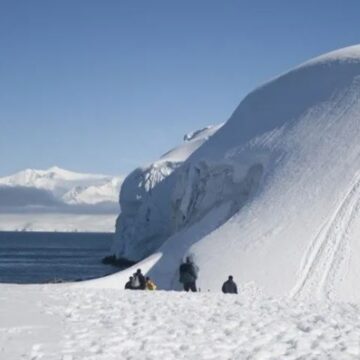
(272, 197)
(58, 199)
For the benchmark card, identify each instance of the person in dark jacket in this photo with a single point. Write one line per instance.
(140, 280)
(188, 275)
(128, 285)
(229, 286)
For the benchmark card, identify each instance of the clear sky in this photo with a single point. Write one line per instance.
(104, 86)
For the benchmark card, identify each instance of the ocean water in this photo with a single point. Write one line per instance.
(42, 257)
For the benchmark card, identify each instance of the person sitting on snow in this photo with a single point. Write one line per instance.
(150, 285)
(128, 285)
(188, 275)
(138, 282)
(229, 286)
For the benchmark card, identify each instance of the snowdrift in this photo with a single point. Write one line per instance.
(272, 197)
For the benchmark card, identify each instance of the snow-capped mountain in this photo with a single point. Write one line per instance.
(272, 197)
(95, 194)
(67, 187)
(58, 200)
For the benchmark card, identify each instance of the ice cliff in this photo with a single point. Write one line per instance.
(146, 220)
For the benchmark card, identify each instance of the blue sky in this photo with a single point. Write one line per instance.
(104, 86)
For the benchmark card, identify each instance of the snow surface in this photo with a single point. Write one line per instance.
(64, 322)
(272, 197)
(58, 200)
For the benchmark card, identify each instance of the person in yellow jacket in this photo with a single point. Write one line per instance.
(150, 285)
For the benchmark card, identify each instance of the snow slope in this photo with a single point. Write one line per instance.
(272, 197)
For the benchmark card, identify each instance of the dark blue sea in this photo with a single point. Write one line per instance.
(43, 257)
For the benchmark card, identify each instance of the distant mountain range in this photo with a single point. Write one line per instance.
(58, 200)
(59, 189)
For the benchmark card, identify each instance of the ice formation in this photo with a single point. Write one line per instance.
(272, 197)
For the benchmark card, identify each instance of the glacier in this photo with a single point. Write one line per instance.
(272, 196)
(144, 222)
